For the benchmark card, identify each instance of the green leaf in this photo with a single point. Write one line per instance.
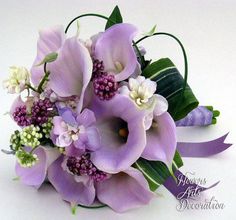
(170, 85)
(216, 114)
(157, 172)
(151, 32)
(114, 18)
(153, 69)
(48, 58)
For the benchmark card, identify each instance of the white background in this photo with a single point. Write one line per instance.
(206, 28)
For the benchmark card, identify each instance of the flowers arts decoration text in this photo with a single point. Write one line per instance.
(98, 121)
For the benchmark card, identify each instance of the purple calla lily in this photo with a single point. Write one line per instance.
(80, 182)
(123, 191)
(161, 139)
(50, 40)
(71, 72)
(123, 138)
(35, 175)
(68, 181)
(114, 48)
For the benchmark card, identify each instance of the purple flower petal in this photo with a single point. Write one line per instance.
(57, 125)
(124, 191)
(86, 118)
(114, 48)
(69, 117)
(71, 72)
(94, 139)
(35, 175)
(116, 152)
(72, 151)
(161, 140)
(50, 40)
(68, 187)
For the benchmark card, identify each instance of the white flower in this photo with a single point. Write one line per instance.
(19, 77)
(141, 90)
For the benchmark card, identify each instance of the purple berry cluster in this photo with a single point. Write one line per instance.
(105, 86)
(39, 113)
(98, 68)
(83, 166)
(21, 116)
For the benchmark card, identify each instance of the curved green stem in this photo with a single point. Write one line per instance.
(183, 50)
(93, 207)
(44, 79)
(86, 15)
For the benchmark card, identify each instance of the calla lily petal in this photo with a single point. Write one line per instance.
(161, 140)
(50, 40)
(35, 175)
(68, 187)
(72, 71)
(114, 48)
(124, 191)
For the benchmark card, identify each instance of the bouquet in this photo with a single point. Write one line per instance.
(98, 120)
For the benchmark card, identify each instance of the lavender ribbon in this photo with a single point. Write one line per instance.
(201, 149)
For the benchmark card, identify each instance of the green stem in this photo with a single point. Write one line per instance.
(139, 54)
(183, 50)
(86, 15)
(31, 87)
(34, 149)
(44, 79)
(92, 207)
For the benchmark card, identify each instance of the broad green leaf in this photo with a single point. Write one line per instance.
(170, 85)
(153, 69)
(48, 58)
(157, 172)
(114, 18)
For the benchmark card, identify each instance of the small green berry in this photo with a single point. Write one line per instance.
(26, 159)
(30, 136)
(47, 127)
(15, 141)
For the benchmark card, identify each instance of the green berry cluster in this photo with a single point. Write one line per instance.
(15, 141)
(30, 136)
(26, 159)
(47, 127)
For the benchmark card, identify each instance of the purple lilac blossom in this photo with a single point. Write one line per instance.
(78, 130)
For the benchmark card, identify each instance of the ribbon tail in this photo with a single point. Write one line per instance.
(203, 149)
(181, 190)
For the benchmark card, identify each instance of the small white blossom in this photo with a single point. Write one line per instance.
(141, 90)
(19, 77)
